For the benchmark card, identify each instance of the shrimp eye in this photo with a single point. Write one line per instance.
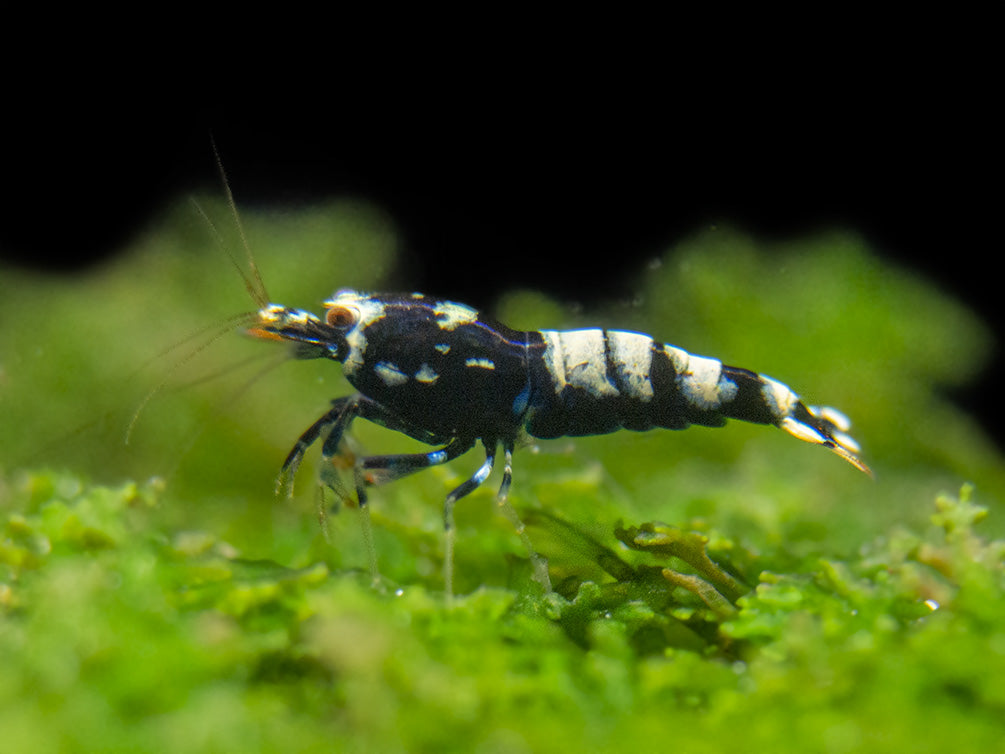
(341, 317)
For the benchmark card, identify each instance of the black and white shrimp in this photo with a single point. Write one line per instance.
(445, 375)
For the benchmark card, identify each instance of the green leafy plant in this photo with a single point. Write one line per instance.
(787, 602)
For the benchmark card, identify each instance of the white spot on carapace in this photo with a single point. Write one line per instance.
(369, 310)
(390, 373)
(426, 375)
(450, 316)
(443, 348)
(633, 357)
(480, 363)
(779, 397)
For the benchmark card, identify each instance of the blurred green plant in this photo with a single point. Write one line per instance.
(790, 603)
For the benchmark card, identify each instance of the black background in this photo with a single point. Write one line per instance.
(565, 188)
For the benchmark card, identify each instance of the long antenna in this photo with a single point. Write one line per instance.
(253, 282)
(215, 333)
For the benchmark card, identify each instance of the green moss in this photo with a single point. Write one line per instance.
(788, 603)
